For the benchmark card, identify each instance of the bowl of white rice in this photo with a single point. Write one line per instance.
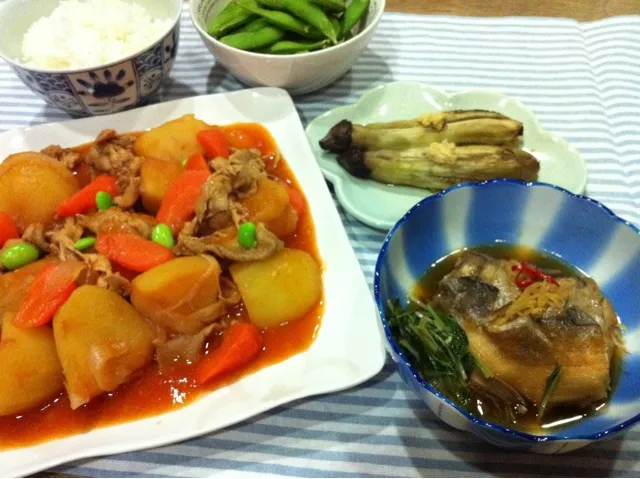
(91, 57)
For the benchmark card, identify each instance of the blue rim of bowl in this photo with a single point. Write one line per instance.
(425, 385)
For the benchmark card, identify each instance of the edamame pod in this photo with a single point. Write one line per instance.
(274, 4)
(288, 47)
(337, 26)
(231, 17)
(331, 5)
(353, 14)
(253, 40)
(282, 20)
(310, 13)
(254, 26)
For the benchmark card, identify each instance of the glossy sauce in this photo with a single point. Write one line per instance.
(152, 393)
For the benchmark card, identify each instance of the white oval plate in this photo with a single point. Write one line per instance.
(333, 362)
(380, 205)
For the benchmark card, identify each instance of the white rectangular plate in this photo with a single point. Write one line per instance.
(348, 349)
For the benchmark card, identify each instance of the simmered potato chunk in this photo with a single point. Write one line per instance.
(270, 205)
(285, 224)
(32, 185)
(279, 289)
(30, 371)
(268, 202)
(171, 141)
(180, 295)
(101, 340)
(156, 177)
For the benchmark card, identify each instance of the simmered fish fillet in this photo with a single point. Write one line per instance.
(477, 287)
(572, 326)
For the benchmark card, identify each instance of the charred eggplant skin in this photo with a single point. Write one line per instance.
(353, 160)
(338, 139)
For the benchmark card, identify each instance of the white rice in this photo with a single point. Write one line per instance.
(87, 33)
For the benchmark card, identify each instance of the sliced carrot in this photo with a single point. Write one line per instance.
(214, 142)
(132, 251)
(85, 199)
(179, 203)
(242, 138)
(48, 292)
(241, 343)
(296, 199)
(8, 228)
(197, 162)
(250, 135)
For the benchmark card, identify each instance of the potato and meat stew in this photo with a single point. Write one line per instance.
(186, 247)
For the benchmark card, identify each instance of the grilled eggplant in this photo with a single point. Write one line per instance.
(434, 151)
(440, 165)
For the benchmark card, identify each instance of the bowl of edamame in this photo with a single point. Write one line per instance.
(298, 45)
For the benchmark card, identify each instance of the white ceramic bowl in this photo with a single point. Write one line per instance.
(107, 88)
(298, 74)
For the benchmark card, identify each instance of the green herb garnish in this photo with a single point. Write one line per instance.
(437, 346)
(552, 383)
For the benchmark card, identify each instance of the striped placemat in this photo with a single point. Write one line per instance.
(581, 79)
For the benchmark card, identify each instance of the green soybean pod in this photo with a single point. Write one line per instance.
(288, 47)
(253, 40)
(254, 26)
(335, 6)
(231, 17)
(353, 14)
(337, 26)
(282, 20)
(312, 14)
(273, 4)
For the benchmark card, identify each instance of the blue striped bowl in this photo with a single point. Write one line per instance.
(574, 228)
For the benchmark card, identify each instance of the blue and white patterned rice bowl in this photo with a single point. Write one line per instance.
(576, 229)
(109, 88)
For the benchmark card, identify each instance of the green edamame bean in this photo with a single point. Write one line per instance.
(253, 40)
(104, 201)
(282, 20)
(85, 243)
(19, 255)
(247, 235)
(336, 6)
(288, 47)
(353, 14)
(313, 15)
(231, 17)
(163, 235)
